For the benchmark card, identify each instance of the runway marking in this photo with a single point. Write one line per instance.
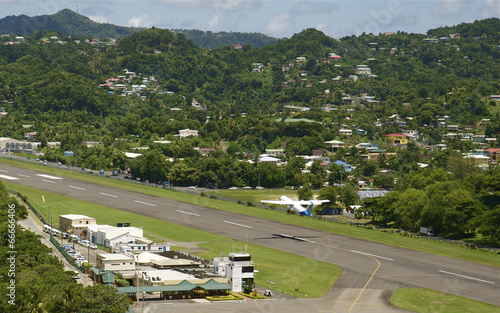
(74, 187)
(4, 171)
(484, 281)
(241, 225)
(48, 176)
(107, 194)
(22, 175)
(48, 181)
(184, 212)
(374, 255)
(8, 177)
(150, 204)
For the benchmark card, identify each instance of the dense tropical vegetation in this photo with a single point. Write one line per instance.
(34, 280)
(294, 94)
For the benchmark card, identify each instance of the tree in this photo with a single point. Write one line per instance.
(408, 208)
(348, 195)
(305, 193)
(151, 166)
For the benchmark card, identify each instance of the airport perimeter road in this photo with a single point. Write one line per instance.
(366, 264)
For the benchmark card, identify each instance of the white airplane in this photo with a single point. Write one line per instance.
(297, 206)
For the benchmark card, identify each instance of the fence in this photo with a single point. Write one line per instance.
(52, 239)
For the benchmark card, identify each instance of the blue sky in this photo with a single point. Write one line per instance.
(277, 18)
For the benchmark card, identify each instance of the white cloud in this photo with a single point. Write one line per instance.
(140, 21)
(491, 8)
(99, 19)
(279, 23)
(315, 7)
(321, 26)
(448, 7)
(222, 5)
(214, 22)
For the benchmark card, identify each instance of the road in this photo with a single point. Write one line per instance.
(368, 267)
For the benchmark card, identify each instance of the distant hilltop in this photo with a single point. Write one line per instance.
(69, 23)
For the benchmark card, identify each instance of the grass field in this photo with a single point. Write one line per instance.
(288, 274)
(430, 301)
(283, 276)
(423, 245)
(153, 228)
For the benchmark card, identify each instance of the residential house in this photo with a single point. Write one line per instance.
(411, 133)
(452, 128)
(275, 152)
(347, 167)
(493, 154)
(396, 139)
(367, 146)
(205, 151)
(334, 144)
(363, 70)
(345, 132)
(183, 133)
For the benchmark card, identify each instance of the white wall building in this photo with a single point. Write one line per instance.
(115, 262)
(76, 223)
(237, 268)
(110, 236)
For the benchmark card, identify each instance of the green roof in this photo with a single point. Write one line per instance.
(107, 276)
(183, 286)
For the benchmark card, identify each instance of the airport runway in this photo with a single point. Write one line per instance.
(366, 264)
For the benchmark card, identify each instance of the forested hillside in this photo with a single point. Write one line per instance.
(296, 94)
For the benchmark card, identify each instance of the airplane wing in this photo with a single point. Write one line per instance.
(277, 202)
(315, 202)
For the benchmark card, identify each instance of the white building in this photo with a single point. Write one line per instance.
(237, 268)
(76, 223)
(110, 236)
(183, 133)
(115, 262)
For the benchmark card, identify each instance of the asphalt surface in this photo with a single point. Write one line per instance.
(371, 270)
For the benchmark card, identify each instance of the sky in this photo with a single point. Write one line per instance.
(277, 18)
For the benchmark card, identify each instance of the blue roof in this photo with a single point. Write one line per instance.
(344, 164)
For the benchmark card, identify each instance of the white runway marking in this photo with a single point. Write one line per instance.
(107, 194)
(484, 281)
(48, 181)
(48, 176)
(8, 177)
(74, 187)
(4, 171)
(374, 255)
(184, 212)
(145, 203)
(22, 175)
(241, 225)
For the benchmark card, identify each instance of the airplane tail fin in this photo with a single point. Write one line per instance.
(309, 208)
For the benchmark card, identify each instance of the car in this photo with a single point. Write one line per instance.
(247, 187)
(233, 188)
(259, 188)
(83, 169)
(76, 275)
(191, 187)
(93, 246)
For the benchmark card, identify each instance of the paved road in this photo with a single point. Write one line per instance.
(385, 268)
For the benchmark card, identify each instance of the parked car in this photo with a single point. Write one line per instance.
(233, 188)
(93, 246)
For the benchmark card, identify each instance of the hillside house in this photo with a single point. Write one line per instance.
(396, 139)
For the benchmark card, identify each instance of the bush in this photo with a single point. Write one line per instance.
(213, 197)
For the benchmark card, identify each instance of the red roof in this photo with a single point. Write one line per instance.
(492, 150)
(394, 135)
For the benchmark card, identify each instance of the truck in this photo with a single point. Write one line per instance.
(427, 231)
